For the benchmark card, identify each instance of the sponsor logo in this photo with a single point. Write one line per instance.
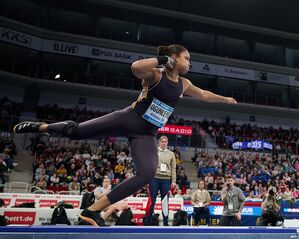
(20, 201)
(188, 208)
(247, 211)
(172, 129)
(6, 201)
(171, 206)
(65, 48)
(296, 210)
(138, 218)
(235, 71)
(22, 218)
(217, 210)
(135, 205)
(74, 203)
(47, 203)
(97, 52)
(206, 68)
(17, 37)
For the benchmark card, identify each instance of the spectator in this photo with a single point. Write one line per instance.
(101, 191)
(39, 171)
(54, 180)
(42, 184)
(116, 207)
(182, 180)
(74, 185)
(3, 171)
(97, 179)
(62, 173)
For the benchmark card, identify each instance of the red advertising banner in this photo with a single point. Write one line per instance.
(21, 218)
(21, 201)
(75, 203)
(175, 129)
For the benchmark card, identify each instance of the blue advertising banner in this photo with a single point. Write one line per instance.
(254, 144)
(250, 213)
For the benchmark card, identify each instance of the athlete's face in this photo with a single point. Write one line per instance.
(183, 62)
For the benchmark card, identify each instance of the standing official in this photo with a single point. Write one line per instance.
(164, 179)
(234, 201)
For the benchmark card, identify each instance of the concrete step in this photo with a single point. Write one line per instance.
(23, 171)
(190, 169)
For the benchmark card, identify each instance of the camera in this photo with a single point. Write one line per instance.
(271, 193)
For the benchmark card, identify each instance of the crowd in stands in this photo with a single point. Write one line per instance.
(226, 133)
(7, 152)
(283, 140)
(253, 172)
(9, 114)
(54, 113)
(82, 167)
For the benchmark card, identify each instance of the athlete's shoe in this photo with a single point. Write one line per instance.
(27, 127)
(92, 217)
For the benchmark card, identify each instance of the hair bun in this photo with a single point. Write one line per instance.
(162, 50)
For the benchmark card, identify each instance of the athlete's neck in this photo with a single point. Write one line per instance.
(172, 75)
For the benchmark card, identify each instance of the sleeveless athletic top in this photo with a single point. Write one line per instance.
(165, 93)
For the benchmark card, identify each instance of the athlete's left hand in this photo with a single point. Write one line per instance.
(230, 100)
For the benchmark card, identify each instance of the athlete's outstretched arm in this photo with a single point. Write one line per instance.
(205, 95)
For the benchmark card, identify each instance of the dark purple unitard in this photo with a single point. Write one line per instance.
(129, 123)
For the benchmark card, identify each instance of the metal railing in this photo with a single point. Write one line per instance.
(128, 82)
(44, 192)
(73, 192)
(19, 185)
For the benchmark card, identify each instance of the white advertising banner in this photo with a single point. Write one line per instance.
(273, 78)
(139, 203)
(66, 48)
(35, 216)
(115, 55)
(93, 52)
(42, 216)
(48, 200)
(294, 81)
(20, 38)
(42, 212)
(234, 72)
(204, 68)
(41, 200)
(224, 71)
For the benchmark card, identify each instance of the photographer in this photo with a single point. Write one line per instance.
(270, 209)
(234, 201)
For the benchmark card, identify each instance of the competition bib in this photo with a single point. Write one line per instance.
(158, 113)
